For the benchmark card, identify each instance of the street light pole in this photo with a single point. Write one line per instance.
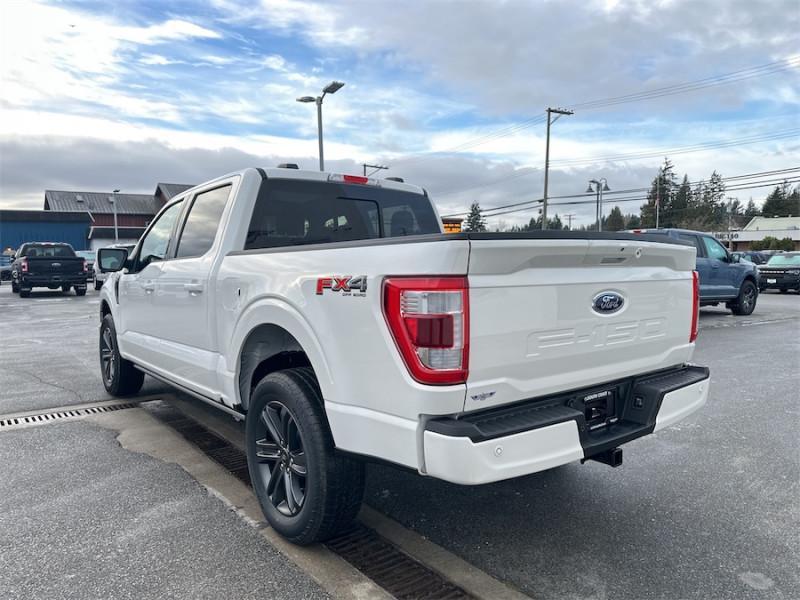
(114, 206)
(319, 133)
(331, 88)
(550, 111)
(600, 189)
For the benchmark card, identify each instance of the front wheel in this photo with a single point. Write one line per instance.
(98, 284)
(120, 377)
(745, 302)
(307, 492)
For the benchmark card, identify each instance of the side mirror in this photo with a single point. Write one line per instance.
(111, 259)
(734, 258)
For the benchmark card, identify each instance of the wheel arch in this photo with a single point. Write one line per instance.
(272, 337)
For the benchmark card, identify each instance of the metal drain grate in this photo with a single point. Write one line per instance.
(46, 417)
(385, 564)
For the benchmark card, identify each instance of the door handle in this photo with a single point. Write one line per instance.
(148, 286)
(193, 288)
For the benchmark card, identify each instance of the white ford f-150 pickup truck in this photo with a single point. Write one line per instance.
(334, 316)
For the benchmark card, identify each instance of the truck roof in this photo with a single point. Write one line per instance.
(308, 175)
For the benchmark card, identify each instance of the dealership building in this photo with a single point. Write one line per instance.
(759, 228)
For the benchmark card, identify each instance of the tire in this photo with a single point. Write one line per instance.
(120, 377)
(98, 285)
(783, 290)
(745, 302)
(328, 496)
(14, 288)
(24, 292)
(66, 288)
(80, 291)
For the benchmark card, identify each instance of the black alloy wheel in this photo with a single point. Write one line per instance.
(120, 376)
(745, 303)
(307, 490)
(108, 356)
(281, 458)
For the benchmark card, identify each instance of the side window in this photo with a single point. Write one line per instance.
(692, 239)
(714, 249)
(155, 243)
(202, 222)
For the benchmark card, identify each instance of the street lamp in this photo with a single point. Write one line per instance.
(113, 201)
(600, 189)
(331, 88)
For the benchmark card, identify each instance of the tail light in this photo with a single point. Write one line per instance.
(24, 265)
(695, 305)
(429, 321)
(85, 266)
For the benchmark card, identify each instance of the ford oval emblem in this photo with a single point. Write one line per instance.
(607, 303)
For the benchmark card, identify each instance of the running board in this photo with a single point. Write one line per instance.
(239, 416)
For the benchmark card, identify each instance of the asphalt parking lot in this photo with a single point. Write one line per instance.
(707, 509)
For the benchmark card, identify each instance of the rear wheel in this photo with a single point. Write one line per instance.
(14, 287)
(784, 290)
(24, 292)
(66, 288)
(307, 492)
(120, 377)
(80, 291)
(745, 302)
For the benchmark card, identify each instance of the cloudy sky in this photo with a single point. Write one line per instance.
(450, 95)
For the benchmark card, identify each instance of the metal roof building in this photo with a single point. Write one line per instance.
(133, 211)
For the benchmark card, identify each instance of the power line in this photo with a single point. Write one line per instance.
(671, 90)
(645, 198)
(772, 136)
(529, 203)
(752, 139)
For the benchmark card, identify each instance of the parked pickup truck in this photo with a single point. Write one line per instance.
(50, 265)
(724, 277)
(334, 316)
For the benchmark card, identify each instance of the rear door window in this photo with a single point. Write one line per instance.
(692, 239)
(202, 222)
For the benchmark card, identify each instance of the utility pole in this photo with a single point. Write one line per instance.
(550, 111)
(376, 167)
(730, 216)
(569, 220)
(114, 206)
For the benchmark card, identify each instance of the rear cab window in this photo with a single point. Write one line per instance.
(291, 212)
(47, 251)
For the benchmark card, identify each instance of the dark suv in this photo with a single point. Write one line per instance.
(723, 277)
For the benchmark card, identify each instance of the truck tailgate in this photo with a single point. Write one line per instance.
(535, 326)
(55, 266)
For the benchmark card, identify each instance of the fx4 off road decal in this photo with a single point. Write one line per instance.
(346, 284)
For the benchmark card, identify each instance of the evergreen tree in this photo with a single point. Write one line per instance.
(662, 190)
(633, 222)
(682, 203)
(752, 209)
(475, 220)
(615, 220)
(782, 202)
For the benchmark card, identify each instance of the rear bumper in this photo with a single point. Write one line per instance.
(545, 433)
(31, 281)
